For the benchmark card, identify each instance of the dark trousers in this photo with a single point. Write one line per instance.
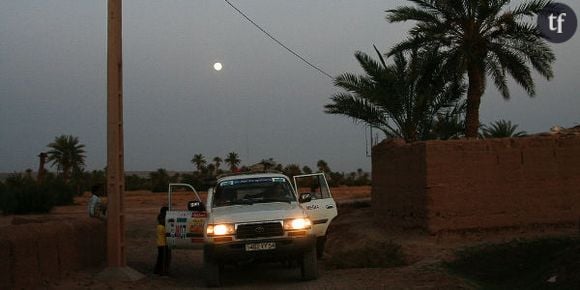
(163, 260)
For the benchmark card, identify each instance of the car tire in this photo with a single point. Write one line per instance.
(320, 243)
(212, 271)
(309, 265)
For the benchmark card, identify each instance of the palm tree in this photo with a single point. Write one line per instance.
(67, 154)
(199, 161)
(401, 99)
(501, 129)
(479, 38)
(268, 163)
(449, 124)
(217, 161)
(233, 160)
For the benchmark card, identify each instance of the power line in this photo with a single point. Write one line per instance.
(278, 42)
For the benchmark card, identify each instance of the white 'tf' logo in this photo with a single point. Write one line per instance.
(559, 20)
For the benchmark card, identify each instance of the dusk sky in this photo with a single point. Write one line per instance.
(264, 103)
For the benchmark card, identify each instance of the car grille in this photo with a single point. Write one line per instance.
(250, 231)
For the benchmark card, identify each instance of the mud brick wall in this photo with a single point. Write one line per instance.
(478, 184)
(398, 190)
(33, 253)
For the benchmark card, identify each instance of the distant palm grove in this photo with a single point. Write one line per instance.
(36, 192)
(440, 72)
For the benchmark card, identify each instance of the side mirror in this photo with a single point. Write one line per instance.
(195, 206)
(305, 197)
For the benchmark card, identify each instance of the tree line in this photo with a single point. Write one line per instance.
(25, 192)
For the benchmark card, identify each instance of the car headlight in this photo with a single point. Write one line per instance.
(297, 224)
(220, 229)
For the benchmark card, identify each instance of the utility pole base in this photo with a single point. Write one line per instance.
(120, 274)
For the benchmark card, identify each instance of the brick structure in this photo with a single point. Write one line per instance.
(36, 252)
(461, 185)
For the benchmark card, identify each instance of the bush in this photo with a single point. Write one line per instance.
(60, 192)
(134, 182)
(374, 254)
(21, 195)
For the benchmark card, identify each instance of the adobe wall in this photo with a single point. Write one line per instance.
(398, 184)
(479, 184)
(34, 253)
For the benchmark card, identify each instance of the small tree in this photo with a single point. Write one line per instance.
(292, 170)
(501, 129)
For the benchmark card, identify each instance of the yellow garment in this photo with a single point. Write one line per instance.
(161, 241)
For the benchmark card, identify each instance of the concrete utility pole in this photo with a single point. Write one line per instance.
(115, 158)
(117, 269)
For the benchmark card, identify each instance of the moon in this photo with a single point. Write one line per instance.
(217, 66)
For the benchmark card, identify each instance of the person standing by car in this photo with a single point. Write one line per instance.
(163, 252)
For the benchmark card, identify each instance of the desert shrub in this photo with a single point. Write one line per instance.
(21, 194)
(374, 254)
(135, 182)
(521, 264)
(59, 191)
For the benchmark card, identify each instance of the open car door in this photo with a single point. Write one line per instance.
(185, 224)
(321, 208)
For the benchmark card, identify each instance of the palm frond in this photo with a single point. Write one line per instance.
(515, 65)
(531, 8)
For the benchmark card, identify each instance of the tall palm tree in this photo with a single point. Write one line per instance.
(501, 129)
(67, 154)
(199, 161)
(478, 38)
(401, 99)
(233, 160)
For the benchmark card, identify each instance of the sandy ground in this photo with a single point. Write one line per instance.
(351, 228)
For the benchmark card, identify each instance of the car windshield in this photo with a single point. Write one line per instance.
(253, 190)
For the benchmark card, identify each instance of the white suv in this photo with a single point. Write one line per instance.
(256, 216)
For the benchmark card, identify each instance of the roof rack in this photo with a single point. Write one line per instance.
(247, 172)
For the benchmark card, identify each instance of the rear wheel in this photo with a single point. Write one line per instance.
(309, 265)
(212, 272)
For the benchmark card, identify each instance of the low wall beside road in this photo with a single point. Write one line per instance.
(33, 252)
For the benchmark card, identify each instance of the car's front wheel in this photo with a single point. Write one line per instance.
(211, 268)
(309, 265)
(320, 242)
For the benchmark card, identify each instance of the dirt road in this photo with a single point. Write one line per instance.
(351, 228)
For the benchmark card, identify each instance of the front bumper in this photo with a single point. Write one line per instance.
(286, 248)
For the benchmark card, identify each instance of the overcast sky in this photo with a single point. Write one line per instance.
(265, 103)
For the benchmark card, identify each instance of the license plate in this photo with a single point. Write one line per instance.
(260, 246)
